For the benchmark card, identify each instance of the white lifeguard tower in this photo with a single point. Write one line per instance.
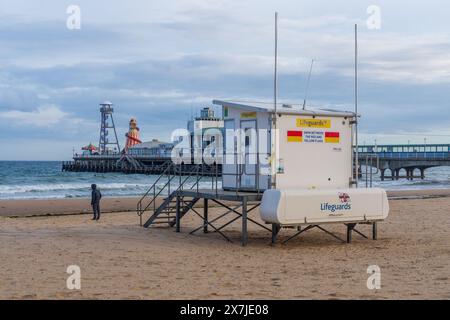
(303, 162)
(298, 170)
(299, 166)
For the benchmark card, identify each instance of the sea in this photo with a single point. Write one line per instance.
(45, 180)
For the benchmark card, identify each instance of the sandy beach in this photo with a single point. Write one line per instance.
(121, 260)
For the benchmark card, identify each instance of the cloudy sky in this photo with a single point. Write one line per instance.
(161, 61)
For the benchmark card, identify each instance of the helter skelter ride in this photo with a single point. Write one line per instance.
(132, 135)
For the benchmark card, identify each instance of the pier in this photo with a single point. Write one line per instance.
(133, 165)
(404, 161)
(392, 161)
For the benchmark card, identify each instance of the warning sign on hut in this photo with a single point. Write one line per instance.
(313, 136)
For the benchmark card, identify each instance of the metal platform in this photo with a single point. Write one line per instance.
(237, 204)
(245, 202)
(221, 194)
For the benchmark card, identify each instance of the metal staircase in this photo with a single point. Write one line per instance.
(126, 160)
(163, 188)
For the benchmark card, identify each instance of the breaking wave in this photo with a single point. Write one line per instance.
(44, 180)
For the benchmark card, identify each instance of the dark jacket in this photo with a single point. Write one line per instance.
(96, 196)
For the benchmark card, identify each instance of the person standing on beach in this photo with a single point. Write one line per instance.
(95, 201)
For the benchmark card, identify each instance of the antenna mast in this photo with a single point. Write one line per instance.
(275, 78)
(356, 107)
(274, 116)
(307, 84)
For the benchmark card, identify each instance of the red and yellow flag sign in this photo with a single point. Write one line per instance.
(294, 136)
(332, 137)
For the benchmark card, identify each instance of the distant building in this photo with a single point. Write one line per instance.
(153, 149)
(89, 150)
(200, 136)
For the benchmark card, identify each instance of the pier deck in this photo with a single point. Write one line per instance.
(408, 158)
(147, 166)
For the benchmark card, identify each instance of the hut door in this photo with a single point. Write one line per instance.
(250, 150)
(230, 167)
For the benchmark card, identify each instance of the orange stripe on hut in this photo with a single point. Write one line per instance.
(294, 136)
(332, 137)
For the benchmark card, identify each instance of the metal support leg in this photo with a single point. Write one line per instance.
(205, 215)
(244, 222)
(300, 232)
(177, 216)
(350, 227)
(330, 233)
(275, 230)
(374, 231)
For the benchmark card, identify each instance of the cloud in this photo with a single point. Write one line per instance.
(160, 67)
(44, 116)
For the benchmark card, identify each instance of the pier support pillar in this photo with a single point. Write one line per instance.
(409, 174)
(397, 174)
(382, 174)
(422, 173)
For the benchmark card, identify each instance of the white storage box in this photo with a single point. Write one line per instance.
(300, 206)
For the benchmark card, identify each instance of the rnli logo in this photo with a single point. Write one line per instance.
(344, 197)
(344, 204)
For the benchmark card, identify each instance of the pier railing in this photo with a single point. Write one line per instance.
(410, 155)
(408, 151)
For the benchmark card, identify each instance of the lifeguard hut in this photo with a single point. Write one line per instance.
(308, 148)
(296, 165)
(303, 161)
